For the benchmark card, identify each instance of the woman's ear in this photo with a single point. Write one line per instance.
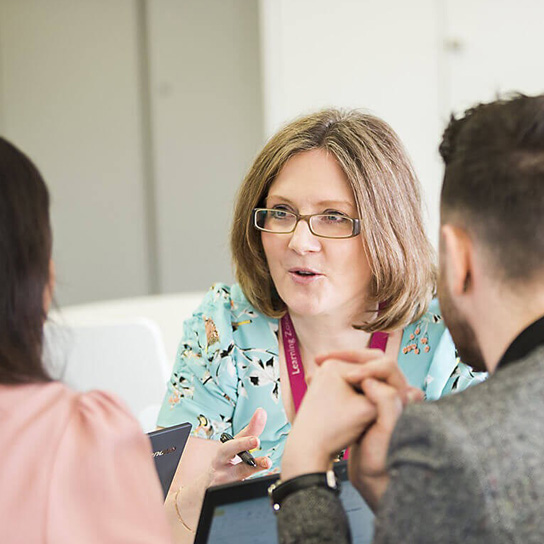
(49, 288)
(456, 251)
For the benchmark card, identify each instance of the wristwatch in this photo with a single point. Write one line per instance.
(279, 490)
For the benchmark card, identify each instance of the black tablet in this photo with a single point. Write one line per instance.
(241, 513)
(167, 447)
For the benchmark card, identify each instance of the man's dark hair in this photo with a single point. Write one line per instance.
(25, 251)
(494, 181)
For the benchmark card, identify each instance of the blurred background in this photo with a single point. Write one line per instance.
(144, 115)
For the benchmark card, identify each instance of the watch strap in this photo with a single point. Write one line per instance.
(279, 490)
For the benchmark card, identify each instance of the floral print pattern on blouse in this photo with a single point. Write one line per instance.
(227, 366)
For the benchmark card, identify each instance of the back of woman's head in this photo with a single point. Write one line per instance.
(25, 252)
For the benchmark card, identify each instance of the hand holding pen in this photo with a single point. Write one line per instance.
(245, 456)
(224, 470)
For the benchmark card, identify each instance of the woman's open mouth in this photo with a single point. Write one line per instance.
(304, 275)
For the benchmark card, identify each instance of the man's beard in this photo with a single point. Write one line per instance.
(460, 329)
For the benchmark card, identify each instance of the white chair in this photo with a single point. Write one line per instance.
(123, 346)
(167, 311)
(126, 358)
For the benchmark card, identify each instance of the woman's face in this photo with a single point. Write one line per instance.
(313, 275)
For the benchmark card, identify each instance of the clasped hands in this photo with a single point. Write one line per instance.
(354, 400)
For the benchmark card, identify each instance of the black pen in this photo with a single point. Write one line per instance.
(245, 456)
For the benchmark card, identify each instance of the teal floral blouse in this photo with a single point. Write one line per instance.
(227, 366)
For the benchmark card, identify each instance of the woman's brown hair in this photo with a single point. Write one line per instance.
(25, 252)
(388, 200)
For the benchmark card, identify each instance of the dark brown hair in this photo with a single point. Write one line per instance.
(494, 181)
(25, 252)
(387, 196)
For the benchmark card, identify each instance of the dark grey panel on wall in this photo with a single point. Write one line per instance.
(207, 127)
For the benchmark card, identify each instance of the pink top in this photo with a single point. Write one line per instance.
(75, 467)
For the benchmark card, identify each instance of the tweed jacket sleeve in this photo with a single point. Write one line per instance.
(313, 516)
(434, 494)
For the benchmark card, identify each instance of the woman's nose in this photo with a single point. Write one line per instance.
(302, 240)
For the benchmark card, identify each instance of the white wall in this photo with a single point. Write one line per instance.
(492, 46)
(410, 63)
(143, 116)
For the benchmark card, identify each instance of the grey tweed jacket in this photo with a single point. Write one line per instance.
(468, 468)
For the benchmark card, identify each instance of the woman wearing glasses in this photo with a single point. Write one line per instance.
(330, 255)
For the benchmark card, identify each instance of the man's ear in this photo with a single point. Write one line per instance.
(457, 249)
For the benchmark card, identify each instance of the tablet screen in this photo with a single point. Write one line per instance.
(253, 521)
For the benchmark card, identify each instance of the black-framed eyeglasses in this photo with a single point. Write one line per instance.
(324, 225)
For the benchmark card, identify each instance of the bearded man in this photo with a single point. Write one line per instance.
(468, 468)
